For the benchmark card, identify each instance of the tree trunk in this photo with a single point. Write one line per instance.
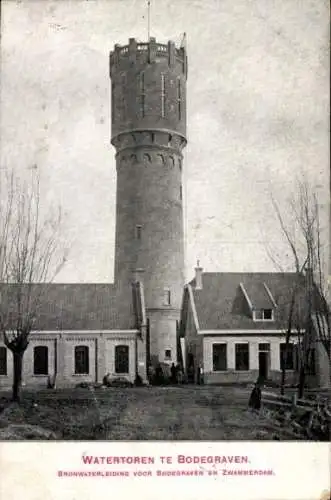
(17, 382)
(282, 386)
(302, 374)
(287, 342)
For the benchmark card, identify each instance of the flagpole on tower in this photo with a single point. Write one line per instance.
(148, 19)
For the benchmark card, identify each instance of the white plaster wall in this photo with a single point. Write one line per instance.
(163, 334)
(253, 343)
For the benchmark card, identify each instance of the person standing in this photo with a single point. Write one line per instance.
(254, 402)
(173, 377)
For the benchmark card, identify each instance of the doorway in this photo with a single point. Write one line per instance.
(264, 360)
(264, 365)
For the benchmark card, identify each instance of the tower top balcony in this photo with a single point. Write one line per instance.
(147, 52)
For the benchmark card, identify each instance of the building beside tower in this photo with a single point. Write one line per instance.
(229, 325)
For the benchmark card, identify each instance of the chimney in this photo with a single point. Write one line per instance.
(198, 276)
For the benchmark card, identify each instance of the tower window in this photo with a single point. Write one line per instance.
(138, 232)
(167, 297)
(180, 192)
(162, 95)
(179, 98)
(142, 94)
(167, 354)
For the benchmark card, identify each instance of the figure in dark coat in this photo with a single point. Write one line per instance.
(173, 371)
(159, 378)
(255, 398)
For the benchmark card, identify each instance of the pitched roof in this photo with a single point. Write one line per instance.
(221, 303)
(76, 306)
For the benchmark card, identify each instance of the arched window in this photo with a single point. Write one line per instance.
(40, 360)
(147, 158)
(81, 359)
(3, 360)
(160, 159)
(122, 359)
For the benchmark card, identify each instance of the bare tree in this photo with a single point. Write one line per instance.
(308, 316)
(30, 254)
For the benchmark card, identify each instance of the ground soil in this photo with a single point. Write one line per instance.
(141, 413)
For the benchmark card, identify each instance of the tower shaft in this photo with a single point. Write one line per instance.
(148, 132)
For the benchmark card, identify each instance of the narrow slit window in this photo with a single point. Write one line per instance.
(138, 232)
(142, 94)
(123, 99)
(167, 297)
(179, 99)
(162, 96)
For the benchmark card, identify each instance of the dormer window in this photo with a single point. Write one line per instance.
(263, 315)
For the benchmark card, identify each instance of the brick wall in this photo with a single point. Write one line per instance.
(148, 127)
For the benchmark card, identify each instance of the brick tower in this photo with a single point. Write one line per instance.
(148, 131)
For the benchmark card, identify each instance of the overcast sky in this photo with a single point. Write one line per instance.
(257, 117)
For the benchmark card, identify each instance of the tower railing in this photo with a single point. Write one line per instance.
(141, 47)
(160, 48)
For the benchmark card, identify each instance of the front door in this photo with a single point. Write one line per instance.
(264, 365)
